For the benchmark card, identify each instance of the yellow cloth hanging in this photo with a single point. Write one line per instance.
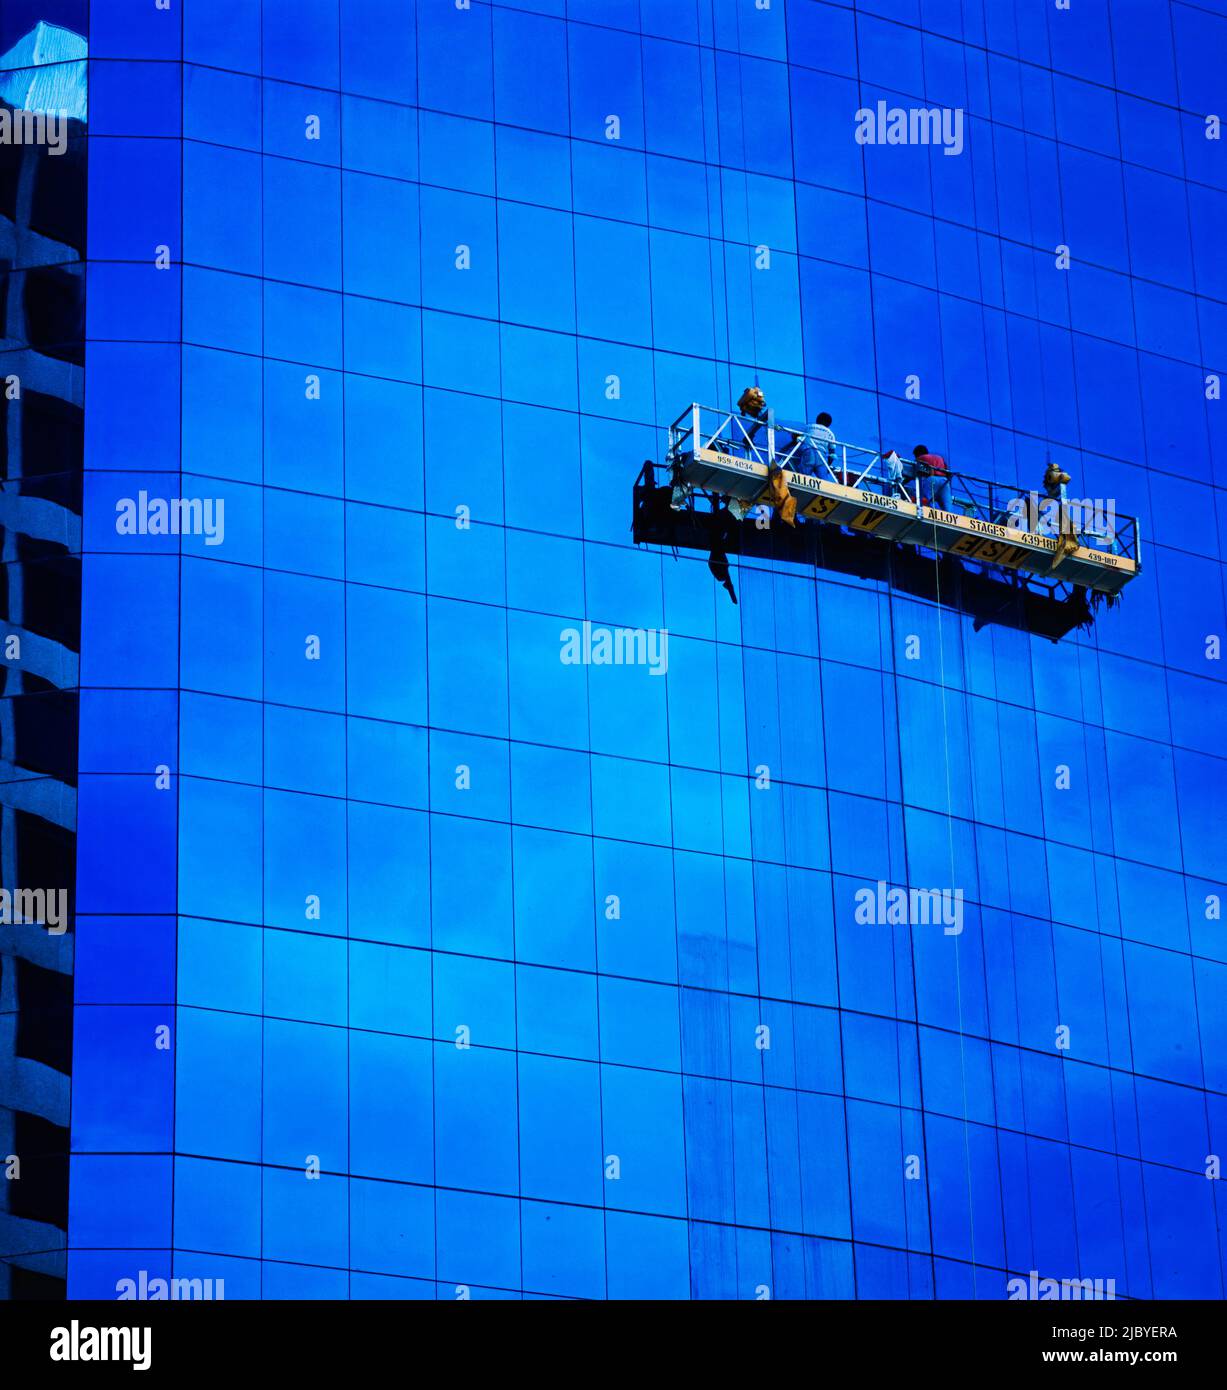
(782, 501)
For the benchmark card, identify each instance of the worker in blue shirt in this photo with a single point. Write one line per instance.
(820, 444)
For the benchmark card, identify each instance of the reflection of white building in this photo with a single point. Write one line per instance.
(42, 226)
(46, 71)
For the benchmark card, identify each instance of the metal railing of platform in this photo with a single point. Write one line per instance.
(775, 444)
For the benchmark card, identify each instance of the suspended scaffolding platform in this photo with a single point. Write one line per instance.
(724, 461)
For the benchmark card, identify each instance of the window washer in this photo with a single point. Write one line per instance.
(1056, 480)
(820, 444)
(1055, 483)
(753, 403)
(892, 473)
(932, 467)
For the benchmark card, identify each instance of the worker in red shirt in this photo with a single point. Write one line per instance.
(936, 488)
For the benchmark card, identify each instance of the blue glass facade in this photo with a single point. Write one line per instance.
(414, 960)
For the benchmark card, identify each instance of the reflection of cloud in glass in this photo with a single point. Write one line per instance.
(45, 71)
